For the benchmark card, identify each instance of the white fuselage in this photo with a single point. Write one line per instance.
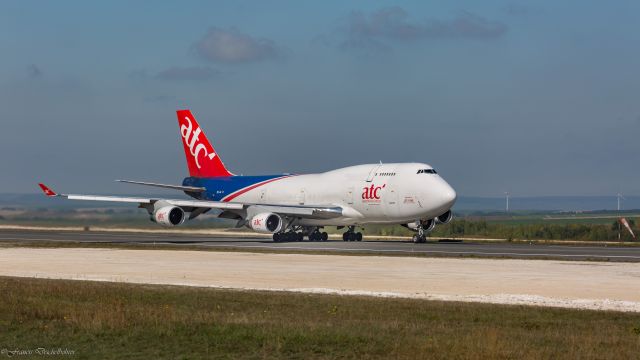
(373, 193)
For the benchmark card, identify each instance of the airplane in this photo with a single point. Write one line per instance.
(294, 206)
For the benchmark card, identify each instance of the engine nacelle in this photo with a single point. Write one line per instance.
(427, 225)
(445, 218)
(169, 216)
(266, 223)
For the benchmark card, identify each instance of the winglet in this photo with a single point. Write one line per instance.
(46, 190)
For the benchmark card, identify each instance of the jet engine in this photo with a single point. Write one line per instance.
(427, 225)
(266, 223)
(168, 216)
(445, 218)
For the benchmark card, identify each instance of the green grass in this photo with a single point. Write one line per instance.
(516, 226)
(122, 321)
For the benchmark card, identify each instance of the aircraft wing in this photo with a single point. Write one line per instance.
(165, 186)
(303, 211)
(190, 205)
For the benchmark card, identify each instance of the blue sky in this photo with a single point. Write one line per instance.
(537, 98)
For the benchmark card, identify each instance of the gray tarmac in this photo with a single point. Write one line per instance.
(440, 248)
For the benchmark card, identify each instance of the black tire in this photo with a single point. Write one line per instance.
(324, 236)
(276, 237)
(358, 236)
(344, 237)
(299, 236)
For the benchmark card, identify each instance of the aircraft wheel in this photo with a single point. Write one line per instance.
(358, 236)
(419, 239)
(345, 236)
(324, 236)
(276, 237)
(299, 236)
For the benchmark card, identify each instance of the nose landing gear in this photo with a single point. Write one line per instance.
(419, 238)
(423, 229)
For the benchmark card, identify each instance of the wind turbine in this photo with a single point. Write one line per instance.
(620, 197)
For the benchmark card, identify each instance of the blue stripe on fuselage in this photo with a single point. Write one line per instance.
(219, 187)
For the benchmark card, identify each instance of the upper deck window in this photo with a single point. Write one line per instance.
(427, 171)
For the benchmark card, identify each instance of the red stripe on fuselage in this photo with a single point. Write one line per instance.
(242, 191)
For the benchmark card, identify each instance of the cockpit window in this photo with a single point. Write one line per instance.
(427, 171)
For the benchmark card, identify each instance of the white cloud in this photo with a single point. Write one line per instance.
(232, 46)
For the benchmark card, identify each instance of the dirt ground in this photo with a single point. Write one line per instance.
(588, 285)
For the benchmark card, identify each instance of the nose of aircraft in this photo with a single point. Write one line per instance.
(448, 195)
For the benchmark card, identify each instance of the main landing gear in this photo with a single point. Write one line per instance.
(298, 234)
(316, 235)
(351, 235)
(287, 236)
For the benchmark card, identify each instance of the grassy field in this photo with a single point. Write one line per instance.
(121, 321)
(522, 225)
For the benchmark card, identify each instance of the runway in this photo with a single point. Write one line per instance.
(454, 249)
(558, 283)
(519, 280)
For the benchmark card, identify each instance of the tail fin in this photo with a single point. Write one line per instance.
(202, 159)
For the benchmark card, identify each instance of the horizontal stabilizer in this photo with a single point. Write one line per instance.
(165, 186)
(46, 190)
